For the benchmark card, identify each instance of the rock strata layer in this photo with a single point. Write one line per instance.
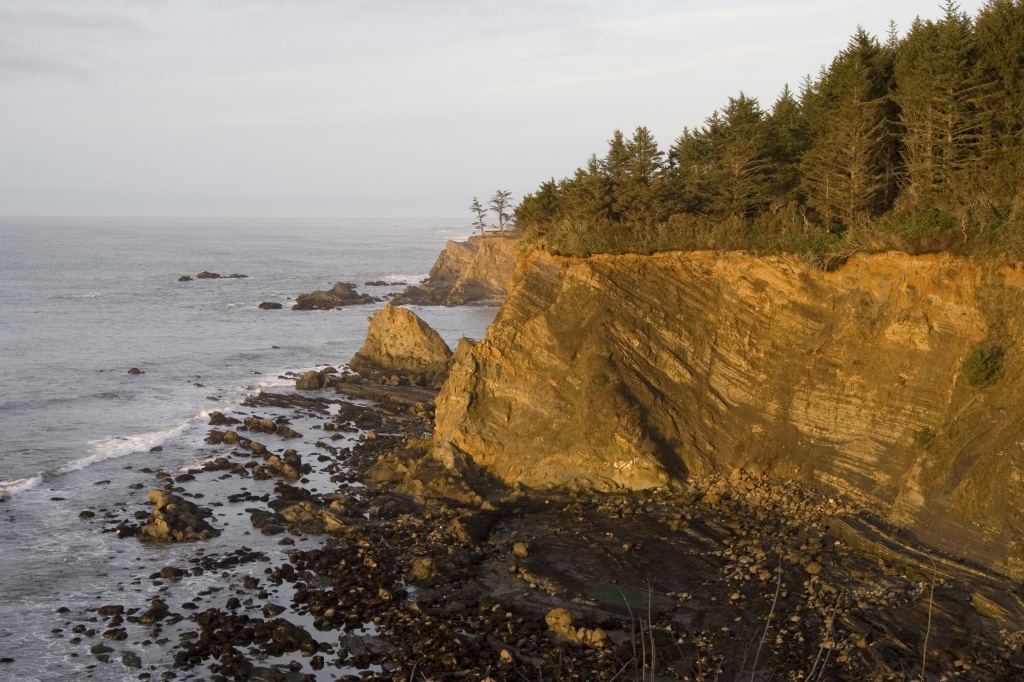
(474, 272)
(633, 372)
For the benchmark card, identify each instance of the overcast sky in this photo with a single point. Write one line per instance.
(389, 108)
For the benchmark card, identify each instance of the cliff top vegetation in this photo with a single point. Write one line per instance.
(914, 143)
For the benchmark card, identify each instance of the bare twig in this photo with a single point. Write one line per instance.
(771, 612)
(632, 632)
(650, 631)
(621, 670)
(928, 630)
(829, 630)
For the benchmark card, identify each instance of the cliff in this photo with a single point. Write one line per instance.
(474, 272)
(631, 372)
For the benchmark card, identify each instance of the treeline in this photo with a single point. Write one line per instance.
(914, 143)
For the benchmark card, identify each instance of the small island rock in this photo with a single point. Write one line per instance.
(341, 294)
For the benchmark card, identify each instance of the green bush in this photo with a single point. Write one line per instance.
(983, 365)
(924, 436)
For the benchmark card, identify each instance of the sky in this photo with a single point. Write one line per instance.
(372, 108)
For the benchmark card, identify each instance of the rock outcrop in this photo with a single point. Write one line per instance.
(175, 519)
(473, 272)
(341, 294)
(631, 372)
(399, 344)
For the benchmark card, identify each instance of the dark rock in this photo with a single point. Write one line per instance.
(219, 419)
(208, 275)
(185, 278)
(270, 305)
(175, 520)
(135, 370)
(235, 275)
(341, 294)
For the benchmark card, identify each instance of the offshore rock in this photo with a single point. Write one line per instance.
(633, 372)
(341, 294)
(398, 341)
(473, 272)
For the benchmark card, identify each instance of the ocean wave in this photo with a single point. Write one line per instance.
(8, 488)
(101, 450)
(394, 279)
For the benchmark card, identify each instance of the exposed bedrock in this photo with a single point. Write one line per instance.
(630, 372)
(399, 341)
(473, 272)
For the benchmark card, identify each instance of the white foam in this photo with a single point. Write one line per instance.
(8, 488)
(112, 448)
(394, 279)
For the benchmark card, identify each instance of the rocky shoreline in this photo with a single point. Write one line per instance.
(393, 568)
(330, 538)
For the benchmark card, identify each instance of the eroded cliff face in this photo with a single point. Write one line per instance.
(633, 371)
(474, 272)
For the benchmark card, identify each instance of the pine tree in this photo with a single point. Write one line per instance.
(500, 203)
(479, 211)
(844, 173)
(999, 69)
(937, 94)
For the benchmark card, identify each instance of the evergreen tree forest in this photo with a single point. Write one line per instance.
(913, 143)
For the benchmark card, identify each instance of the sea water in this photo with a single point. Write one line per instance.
(82, 301)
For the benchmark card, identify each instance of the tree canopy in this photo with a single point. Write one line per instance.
(915, 143)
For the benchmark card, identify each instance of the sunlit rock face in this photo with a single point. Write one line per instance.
(630, 372)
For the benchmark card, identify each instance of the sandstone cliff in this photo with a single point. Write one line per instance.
(474, 272)
(634, 371)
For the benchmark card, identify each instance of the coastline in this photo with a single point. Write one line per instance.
(369, 559)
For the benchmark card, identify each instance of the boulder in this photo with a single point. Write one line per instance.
(185, 278)
(175, 520)
(561, 622)
(341, 294)
(270, 305)
(208, 275)
(311, 381)
(399, 342)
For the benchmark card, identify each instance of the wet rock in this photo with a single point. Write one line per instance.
(341, 294)
(185, 278)
(208, 275)
(175, 519)
(311, 381)
(270, 305)
(135, 371)
(217, 418)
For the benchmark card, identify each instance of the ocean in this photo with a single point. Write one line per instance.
(84, 300)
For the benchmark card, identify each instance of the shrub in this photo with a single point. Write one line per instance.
(983, 365)
(924, 436)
